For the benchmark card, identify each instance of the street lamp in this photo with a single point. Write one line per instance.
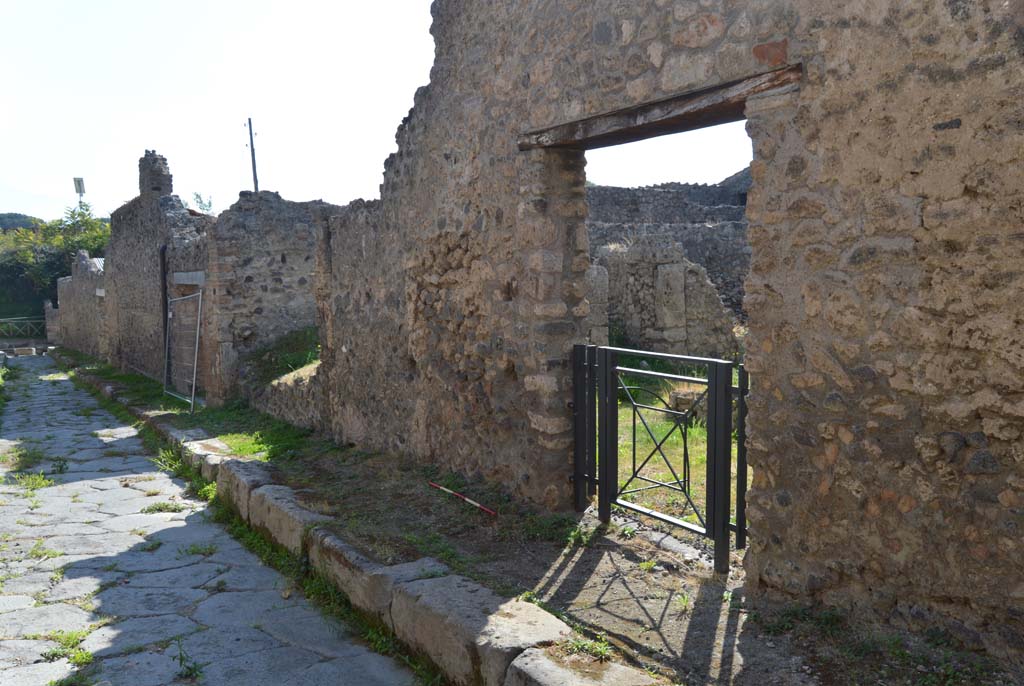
(80, 189)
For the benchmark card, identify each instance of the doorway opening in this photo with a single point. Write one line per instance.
(660, 391)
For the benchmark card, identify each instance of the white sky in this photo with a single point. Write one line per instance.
(86, 87)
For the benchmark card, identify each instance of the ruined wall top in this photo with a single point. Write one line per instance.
(154, 174)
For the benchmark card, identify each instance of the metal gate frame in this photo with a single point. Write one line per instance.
(168, 366)
(597, 384)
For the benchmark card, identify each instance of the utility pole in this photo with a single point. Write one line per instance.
(80, 189)
(252, 150)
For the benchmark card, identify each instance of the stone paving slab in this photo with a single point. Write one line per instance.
(81, 555)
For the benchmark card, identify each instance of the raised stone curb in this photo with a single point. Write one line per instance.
(370, 586)
(237, 479)
(469, 632)
(534, 667)
(275, 511)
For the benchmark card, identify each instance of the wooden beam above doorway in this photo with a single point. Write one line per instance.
(694, 110)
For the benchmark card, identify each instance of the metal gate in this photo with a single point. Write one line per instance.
(610, 381)
(181, 351)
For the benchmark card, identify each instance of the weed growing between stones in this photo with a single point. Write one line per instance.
(197, 549)
(23, 458)
(597, 648)
(31, 483)
(187, 667)
(163, 507)
(38, 551)
(68, 643)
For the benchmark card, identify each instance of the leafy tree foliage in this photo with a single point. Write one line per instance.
(15, 220)
(32, 259)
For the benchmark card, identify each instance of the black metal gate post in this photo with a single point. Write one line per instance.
(591, 421)
(741, 458)
(608, 437)
(719, 458)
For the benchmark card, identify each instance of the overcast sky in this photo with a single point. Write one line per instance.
(86, 87)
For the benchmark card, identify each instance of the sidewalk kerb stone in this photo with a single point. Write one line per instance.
(275, 510)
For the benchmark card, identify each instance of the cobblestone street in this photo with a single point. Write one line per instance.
(114, 562)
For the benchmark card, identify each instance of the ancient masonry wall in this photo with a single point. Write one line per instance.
(262, 255)
(883, 296)
(658, 300)
(52, 315)
(140, 230)
(254, 265)
(707, 221)
(81, 306)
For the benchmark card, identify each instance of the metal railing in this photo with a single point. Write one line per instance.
(602, 386)
(23, 327)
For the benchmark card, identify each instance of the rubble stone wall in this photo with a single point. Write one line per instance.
(262, 256)
(722, 249)
(154, 221)
(883, 295)
(658, 300)
(52, 315)
(81, 304)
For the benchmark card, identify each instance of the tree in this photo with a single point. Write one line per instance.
(32, 259)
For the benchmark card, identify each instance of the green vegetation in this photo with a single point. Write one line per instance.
(68, 643)
(163, 507)
(187, 667)
(23, 457)
(33, 258)
(38, 551)
(597, 649)
(204, 550)
(31, 483)
(292, 352)
(16, 220)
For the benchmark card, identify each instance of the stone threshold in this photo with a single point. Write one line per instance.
(474, 636)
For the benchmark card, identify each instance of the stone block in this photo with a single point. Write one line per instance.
(21, 352)
(368, 585)
(536, 667)
(237, 479)
(472, 634)
(275, 511)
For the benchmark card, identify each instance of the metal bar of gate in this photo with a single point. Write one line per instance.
(608, 441)
(741, 458)
(579, 419)
(591, 425)
(719, 458)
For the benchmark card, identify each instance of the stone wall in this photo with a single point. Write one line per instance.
(140, 230)
(707, 221)
(81, 304)
(296, 398)
(658, 300)
(52, 315)
(883, 294)
(262, 256)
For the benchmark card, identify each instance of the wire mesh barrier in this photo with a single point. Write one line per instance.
(681, 419)
(181, 352)
(23, 327)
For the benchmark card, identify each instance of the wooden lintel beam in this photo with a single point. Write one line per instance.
(708, 107)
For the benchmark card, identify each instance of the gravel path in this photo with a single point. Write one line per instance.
(94, 554)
